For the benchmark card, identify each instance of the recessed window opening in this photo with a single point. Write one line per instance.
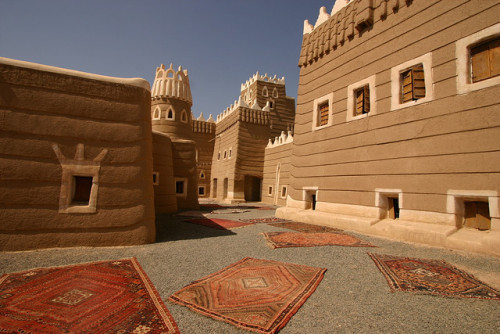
(270, 190)
(323, 111)
(310, 197)
(201, 191)
(230, 151)
(225, 154)
(82, 189)
(202, 175)
(271, 104)
(218, 156)
(485, 60)
(170, 114)
(477, 215)
(362, 101)
(179, 187)
(156, 178)
(413, 83)
(393, 207)
(283, 191)
(184, 116)
(265, 92)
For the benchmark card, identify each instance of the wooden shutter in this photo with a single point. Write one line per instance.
(480, 62)
(366, 99)
(323, 113)
(413, 83)
(495, 57)
(359, 102)
(362, 104)
(418, 81)
(407, 86)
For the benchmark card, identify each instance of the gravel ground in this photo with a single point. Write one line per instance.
(352, 298)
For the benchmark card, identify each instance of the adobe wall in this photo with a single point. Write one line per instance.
(57, 124)
(163, 168)
(433, 155)
(277, 166)
(204, 137)
(240, 140)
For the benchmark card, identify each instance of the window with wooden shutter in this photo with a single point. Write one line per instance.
(362, 102)
(413, 83)
(323, 110)
(485, 60)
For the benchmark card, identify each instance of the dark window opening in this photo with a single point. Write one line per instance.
(477, 215)
(83, 187)
(283, 192)
(201, 191)
(179, 187)
(313, 202)
(393, 208)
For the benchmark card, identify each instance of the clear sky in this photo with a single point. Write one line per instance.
(222, 43)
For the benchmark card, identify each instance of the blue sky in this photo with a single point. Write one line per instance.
(221, 42)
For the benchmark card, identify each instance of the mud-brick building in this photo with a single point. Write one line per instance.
(397, 125)
(262, 111)
(171, 116)
(75, 158)
(204, 136)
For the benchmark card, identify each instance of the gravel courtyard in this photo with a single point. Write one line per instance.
(353, 297)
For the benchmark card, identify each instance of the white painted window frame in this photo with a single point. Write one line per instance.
(370, 82)
(326, 98)
(383, 194)
(426, 61)
(463, 63)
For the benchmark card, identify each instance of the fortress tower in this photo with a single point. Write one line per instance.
(171, 117)
(243, 130)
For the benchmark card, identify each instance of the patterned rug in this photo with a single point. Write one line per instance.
(265, 220)
(301, 239)
(217, 223)
(434, 277)
(257, 295)
(306, 228)
(97, 297)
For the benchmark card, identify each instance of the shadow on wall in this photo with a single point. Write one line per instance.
(171, 228)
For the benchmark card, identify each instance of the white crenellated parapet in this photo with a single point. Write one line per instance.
(264, 77)
(324, 16)
(201, 118)
(210, 119)
(280, 140)
(171, 83)
(237, 104)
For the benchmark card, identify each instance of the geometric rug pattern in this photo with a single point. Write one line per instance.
(97, 297)
(434, 277)
(301, 239)
(217, 223)
(253, 294)
(306, 228)
(267, 220)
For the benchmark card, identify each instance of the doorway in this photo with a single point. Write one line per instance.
(252, 189)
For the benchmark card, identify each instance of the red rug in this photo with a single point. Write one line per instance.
(257, 295)
(97, 297)
(217, 223)
(306, 228)
(265, 220)
(434, 277)
(301, 239)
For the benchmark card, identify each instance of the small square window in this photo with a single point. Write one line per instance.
(322, 111)
(477, 215)
(412, 83)
(179, 187)
(362, 101)
(201, 191)
(283, 191)
(485, 60)
(83, 187)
